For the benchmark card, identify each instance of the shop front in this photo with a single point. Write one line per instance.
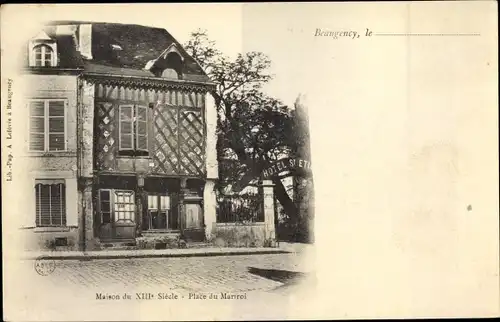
(128, 207)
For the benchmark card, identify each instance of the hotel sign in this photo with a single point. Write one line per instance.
(299, 166)
(286, 165)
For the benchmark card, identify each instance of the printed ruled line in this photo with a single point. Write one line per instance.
(427, 35)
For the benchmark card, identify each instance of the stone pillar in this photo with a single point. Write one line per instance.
(211, 165)
(209, 208)
(86, 167)
(267, 193)
(86, 187)
(182, 207)
(139, 198)
(86, 129)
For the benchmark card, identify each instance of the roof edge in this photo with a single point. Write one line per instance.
(150, 81)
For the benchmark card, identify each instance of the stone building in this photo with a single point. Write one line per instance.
(121, 138)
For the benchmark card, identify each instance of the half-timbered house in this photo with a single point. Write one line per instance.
(144, 136)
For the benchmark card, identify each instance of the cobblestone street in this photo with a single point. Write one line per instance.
(75, 285)
(239, 273)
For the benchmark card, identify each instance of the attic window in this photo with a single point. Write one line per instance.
(173, 63)
(42, 51)
(43, 56)
(169, 64)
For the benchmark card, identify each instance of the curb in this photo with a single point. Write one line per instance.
(84, 257)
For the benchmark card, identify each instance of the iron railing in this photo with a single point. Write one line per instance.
(245, 208)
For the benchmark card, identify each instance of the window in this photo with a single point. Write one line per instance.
(116, 205)
(124, 206)
(159, 214)
(133, 128)
(43, 56)
(50, 203)
(105, 198)
(47, 125)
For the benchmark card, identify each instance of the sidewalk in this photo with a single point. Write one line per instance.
(152, 253)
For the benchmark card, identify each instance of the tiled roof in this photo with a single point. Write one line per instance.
(69, 57)
(91, 67)
(139, 44)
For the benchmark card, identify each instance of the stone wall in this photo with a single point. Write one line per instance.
(50, 165)
(48, 239)
(239, 235)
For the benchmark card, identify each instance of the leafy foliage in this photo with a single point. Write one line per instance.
(253, 128)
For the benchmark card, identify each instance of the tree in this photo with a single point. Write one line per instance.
(253, 129)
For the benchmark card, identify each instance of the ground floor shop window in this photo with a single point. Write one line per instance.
(159, 215)
(117, 205)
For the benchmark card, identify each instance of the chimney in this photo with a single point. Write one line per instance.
(85, 40)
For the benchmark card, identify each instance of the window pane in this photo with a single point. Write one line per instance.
(152, 202)
(56, 142)
(142, 113)
(142, 142)
(126, 113)
(142, 128)
(37, 124)
(126, 141)
(105, 195)
(37, 142)
(56, 124)
(105, 207)
(48, 51)
(56, 108)
(126, 127)
(165, 202)
(37, 108)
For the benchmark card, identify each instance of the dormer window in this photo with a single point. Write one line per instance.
(169, 64)
(42, 51)
(43, 56)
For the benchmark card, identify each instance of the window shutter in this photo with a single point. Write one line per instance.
(71, 209)
(57, 140)
(126, 128)
(142, 128)
(50, 204)
(37, 126)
